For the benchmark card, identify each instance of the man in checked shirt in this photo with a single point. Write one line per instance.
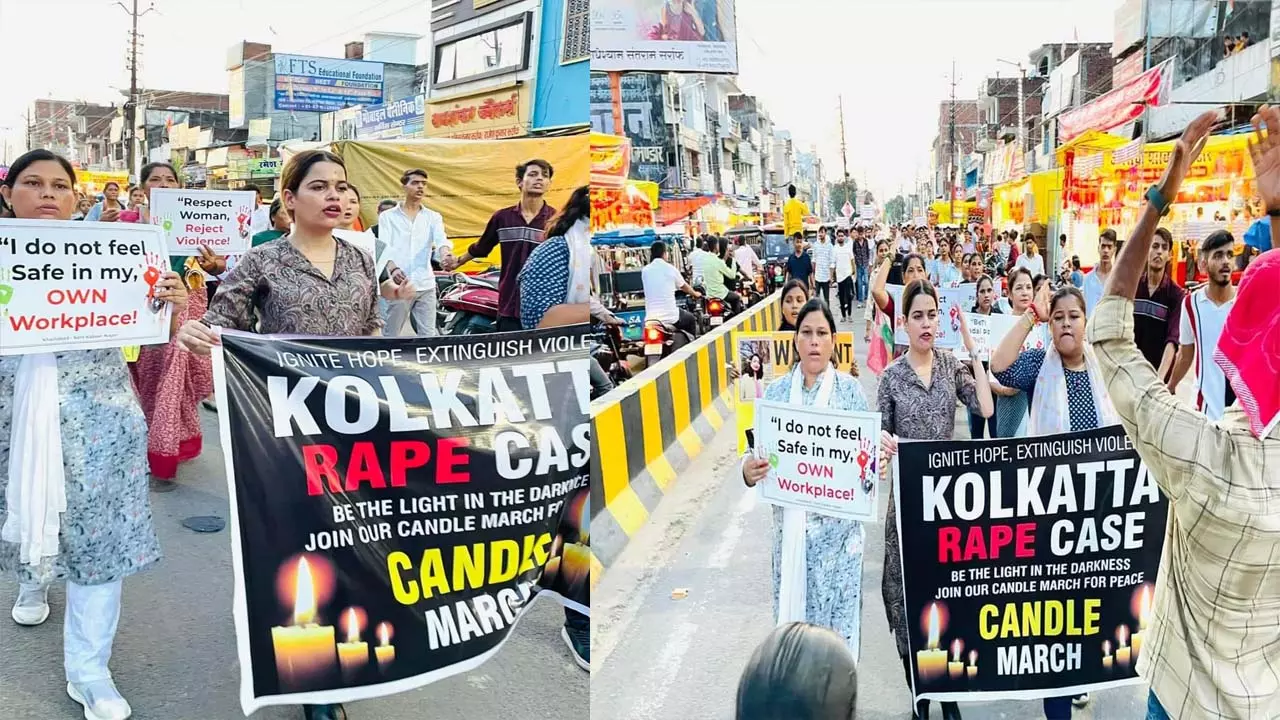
(1214, 645)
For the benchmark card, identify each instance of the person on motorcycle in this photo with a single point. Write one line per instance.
(714, 274)
(702, 247)
(748, 260)
(661, 280)
(723, 248)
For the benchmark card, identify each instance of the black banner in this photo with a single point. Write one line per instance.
(1029, 564)
(397, 503)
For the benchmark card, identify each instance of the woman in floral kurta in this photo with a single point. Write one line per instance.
(833, 547)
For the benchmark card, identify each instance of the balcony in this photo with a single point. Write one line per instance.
(1243, 77)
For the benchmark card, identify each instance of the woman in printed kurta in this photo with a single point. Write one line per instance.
(917, 398)
(105, 533)
(833, 546)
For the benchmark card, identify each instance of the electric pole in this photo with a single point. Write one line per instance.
(843, 154)
(951, 155)
(131, 106)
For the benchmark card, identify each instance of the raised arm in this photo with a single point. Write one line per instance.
(878, 293)
(1265, 151)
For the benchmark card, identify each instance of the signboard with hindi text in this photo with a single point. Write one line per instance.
(79, 286)
(822, 461)
(397, 504)
(191, 219)
(660, 36)
(1029, 564)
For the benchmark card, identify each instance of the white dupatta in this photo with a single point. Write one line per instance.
(580, 263)
(792, 591)
(36, 492)
(1050, 408)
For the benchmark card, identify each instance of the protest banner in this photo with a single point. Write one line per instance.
(397, 503)
(216, 219)
(1028, 564)
(762, 357)
(80, 286)
(821, 460)
(952, 301)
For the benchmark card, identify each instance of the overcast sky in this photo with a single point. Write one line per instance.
(76, 49)
(891, 59)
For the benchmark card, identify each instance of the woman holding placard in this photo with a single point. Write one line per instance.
(1012, 404)
(829, 549)
(986, 305)
(913, 268)
(306, 283)
(74, 501)
(917, 397)
(1064, 382)
(171, 383)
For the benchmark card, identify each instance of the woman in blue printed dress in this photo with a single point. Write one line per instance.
(832, 546)
(71, 430)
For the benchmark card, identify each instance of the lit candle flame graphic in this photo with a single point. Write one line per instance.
(973, 658)
(1144, 605)
(304, 598)
(353, 627)
(1106, 647)
(383, 635)
(933, 626)
(955, 650)
(1123, 635)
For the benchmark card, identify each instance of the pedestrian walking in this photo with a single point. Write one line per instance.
(823, 260)
(73, 448)
(413, 233)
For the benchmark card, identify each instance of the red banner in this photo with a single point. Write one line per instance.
(1124, 104)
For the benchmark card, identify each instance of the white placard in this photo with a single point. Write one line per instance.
(822, 461)
(217, 219)
(952, 301)
(80, 286)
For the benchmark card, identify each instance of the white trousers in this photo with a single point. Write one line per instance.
(89, 629)
(420, 312)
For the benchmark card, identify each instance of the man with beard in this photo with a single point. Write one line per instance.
(1204, 312)
(1157, 307)
(518, 230)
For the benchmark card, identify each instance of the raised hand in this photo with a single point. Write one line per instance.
(1264, 149)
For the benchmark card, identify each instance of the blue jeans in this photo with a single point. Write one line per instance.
(1155, 711)
(861, 285)
(1058, 708)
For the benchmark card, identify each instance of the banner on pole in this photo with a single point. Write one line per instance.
(397, 503)
(80, 286)
(1028, 564)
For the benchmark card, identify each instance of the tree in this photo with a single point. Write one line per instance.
(895, 211)
(839, 193)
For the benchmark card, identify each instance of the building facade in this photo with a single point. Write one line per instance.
(564, 65)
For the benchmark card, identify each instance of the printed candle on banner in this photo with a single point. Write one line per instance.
(385, 651)
(932, 662)
(955, 668)
(972, 670)
(1123, 651)
(305, 652)
(1144, 616)
(353, 655)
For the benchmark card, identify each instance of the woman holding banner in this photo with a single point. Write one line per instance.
(306, 283)
(171, 383)
(817, 560)
(918, 394)
(72, 440)
(1011, 403)
(794, 296)
(1065, 384)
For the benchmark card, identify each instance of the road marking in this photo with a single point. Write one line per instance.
(733, 531)
(668, 664)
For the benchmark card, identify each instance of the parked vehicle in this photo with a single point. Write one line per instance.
(611, 355)
(472, 304)
(661, 339)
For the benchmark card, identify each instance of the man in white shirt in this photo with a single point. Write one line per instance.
(1204, 313)
(1096, 280)
(746, 258)
(1031, 258)
(661, 280)
(696, 257)
(844, 266)
(260, 219)
(822, 257)
(413, 233)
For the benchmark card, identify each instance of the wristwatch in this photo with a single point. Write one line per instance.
(1158, 200)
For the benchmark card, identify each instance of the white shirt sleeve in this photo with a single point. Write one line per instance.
(439, 241)
(1185, 334)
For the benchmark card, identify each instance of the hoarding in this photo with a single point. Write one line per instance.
(490, 115)
(317, 84)
(643, 119)
(401, 118)
(235, 98)
(664, 36)
(1122, 105)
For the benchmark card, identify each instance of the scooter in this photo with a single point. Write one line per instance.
(661, 339)
(473, 304)
(611, 355)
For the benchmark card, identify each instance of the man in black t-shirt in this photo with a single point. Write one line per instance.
(800, 265)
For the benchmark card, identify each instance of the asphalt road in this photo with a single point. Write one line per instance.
(175, 655)
(658, 657)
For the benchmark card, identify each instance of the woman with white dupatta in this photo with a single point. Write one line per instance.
(817, 559)
(1065, 385)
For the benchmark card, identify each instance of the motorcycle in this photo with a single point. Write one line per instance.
(777, 276)
(473, 306)
(661, 339)
(611, 355)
